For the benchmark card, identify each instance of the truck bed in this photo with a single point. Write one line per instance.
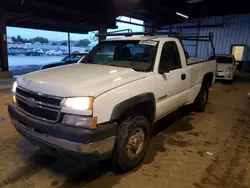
(198, 68)
(193, 60)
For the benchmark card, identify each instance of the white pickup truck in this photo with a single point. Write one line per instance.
(104, 106)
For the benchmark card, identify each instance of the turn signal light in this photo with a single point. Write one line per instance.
(14, 99)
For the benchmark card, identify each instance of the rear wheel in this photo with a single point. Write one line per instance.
(131, 143)
(200, 102)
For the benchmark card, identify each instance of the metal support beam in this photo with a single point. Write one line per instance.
(102, 29)
(69, 42)
(170, 29)
(3, 42)
(197, 42)
(143, 25)
(202, 26)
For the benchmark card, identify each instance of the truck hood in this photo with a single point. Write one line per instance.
(78, 80)
(223, 66)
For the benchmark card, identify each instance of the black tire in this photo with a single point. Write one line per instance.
(123, 159)
(200, 102)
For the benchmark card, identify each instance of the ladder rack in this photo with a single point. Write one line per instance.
(179, 35)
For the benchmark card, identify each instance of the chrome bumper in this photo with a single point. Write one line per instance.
(99, 147)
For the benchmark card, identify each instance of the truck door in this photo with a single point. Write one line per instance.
(172, 79)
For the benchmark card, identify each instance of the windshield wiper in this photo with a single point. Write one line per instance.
(114, 65)
(138, 70)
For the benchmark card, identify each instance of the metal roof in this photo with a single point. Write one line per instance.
(66, 16)
(83, 16)
(163, 12)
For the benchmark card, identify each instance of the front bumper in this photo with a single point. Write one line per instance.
(224, 76)
(60, 140)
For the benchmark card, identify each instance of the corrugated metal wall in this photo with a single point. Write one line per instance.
(236, 31)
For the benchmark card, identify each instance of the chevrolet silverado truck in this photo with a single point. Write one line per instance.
(105, 105)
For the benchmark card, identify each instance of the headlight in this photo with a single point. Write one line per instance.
(78, 103)
(79, 121)
(14, 87)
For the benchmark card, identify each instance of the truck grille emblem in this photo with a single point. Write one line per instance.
(31, 102)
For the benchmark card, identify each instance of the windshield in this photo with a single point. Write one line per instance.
(88, 48)
(73, 57)
(226, 60)
(138, 55)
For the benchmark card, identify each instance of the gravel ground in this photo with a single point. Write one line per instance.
(187, 150)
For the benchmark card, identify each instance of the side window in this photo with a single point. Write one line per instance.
(170, 57)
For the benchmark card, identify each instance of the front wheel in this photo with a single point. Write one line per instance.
(132, 142)
(200, 102)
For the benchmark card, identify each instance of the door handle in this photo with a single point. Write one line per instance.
(183, 76)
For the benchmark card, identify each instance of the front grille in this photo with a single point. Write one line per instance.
(39, 105)
(220, 76)
(39, 97)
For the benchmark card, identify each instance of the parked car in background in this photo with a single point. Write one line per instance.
(226, 67)
(34, 52)
(54, 52)
(70, 59)
(75, 52)
(65, 52)
(13, 52)
(49, 52)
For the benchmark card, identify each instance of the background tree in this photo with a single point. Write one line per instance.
(92, 37)
(40, 39)
(33, 40)
(19, 38)
(13, 39)
(64, 43)
(83, 43)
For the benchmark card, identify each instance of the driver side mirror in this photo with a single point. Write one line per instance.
(88, 59)
(237, 63)
(161, 71)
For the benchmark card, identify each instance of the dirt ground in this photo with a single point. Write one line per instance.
(187, 150)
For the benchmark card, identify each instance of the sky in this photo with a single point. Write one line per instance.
(58, 36)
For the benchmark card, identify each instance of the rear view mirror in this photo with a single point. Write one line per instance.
(161, 71)
(237, 63)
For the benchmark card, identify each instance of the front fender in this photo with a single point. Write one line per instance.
(108, 106)
(125, 105)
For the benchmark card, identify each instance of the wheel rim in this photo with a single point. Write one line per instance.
(136, 143)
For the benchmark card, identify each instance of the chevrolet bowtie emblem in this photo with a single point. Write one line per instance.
(31, 102)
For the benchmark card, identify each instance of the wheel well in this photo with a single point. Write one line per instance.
(145, 108)
(208, 79)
